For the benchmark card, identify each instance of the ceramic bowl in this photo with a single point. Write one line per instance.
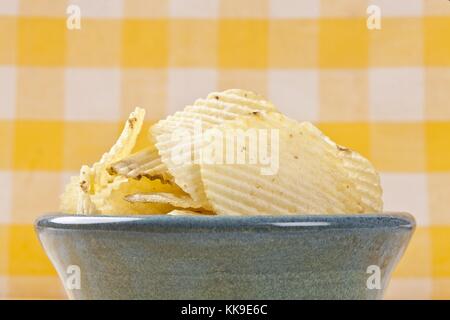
(261, 257)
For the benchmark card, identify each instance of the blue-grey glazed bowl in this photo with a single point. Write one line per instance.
(270, 257)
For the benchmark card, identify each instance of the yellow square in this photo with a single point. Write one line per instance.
(96, 44)
(437, 45)
(36, 287)
(146, 9)
(437, 93)
(43, 8)
(244, 9)
(145, 43)
(80, 148)
(40, 93)
(38, 145)
(26, 256)
(253, 80)
(352, 135)
(193, 43)
(293, 43)
(4, 236)
(438, 193)
(343, 8)
(8, 40)
(343, 95)
(34, 193)
(416, 262)
(440, 237)
(398, 146)
(42, 41)
(343, 43)
(144, 88)
(398, 43)
(6, 144)
(438, 146)
(243, 43)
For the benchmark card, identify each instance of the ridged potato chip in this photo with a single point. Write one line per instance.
(113, 201)
(313, 174)
(121, 149)
(83, 192)
(177, 200)
(69, 199)
(265, 164)
(145, 163)
(187, 213)
(180, 134)
(366, 180)
(76, 197)
(85, 204)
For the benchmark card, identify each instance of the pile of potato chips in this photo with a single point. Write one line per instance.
(178, 174)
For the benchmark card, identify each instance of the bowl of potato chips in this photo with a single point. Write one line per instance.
(227, 198)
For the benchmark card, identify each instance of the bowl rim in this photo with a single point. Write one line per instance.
(166, 223)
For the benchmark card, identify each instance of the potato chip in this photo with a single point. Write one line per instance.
(313, 174)
(121, 149)
(180, 134)
(69, 199)
(85, 204)
(177, 200)
(265, 164)
(76, 197)
(83, 193)
(145, 163)
(112, 201)
(367, 180)
(187, 213)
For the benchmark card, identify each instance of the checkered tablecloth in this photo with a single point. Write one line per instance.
(64, 92)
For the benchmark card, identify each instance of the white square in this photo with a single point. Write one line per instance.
(398, 8)
(8, 92)
(295, 93)
(294, 8)
(396, 94)
(92, 94)
(9, 7)
(194, 8)
(5, 196)
(187, 85)
(406, 192)
(99, 8)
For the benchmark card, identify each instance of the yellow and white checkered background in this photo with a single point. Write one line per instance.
(385, 93)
